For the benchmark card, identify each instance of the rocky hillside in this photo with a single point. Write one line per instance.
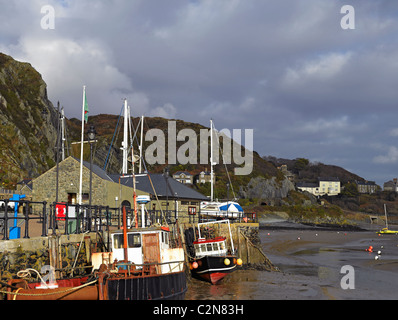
(105, 126)
(27, 121)
(306, 171)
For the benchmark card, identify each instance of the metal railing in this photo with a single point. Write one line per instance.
(64, 218)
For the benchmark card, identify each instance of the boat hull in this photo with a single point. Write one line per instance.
(387, 231)
(213, 268)
(169, 286)
(68, 289)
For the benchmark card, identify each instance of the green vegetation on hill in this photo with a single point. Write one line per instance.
(27, 122)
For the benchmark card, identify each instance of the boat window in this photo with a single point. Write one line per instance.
(203, 246)
(134, 240)
(215, 246)
(222, 245)
(165, 237)
(118, 241)
(209, 247)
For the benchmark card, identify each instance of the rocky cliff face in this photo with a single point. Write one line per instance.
(267, 190)
(27, 122)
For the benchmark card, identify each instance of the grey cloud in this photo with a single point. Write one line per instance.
(283, 68)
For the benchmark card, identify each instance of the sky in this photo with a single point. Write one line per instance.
(290, 70)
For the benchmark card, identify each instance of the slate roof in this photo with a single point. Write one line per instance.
(96, 170)
(172, 189)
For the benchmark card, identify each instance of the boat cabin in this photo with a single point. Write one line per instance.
(213, 247)
(147, 246)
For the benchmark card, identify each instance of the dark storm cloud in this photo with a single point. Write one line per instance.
(284, 68)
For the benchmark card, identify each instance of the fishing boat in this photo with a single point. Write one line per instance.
(146, 264)
(386, 230)
(143, 264)
(213, 260)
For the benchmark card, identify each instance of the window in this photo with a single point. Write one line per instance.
(133, 240)
(165, 237)
(209, 247)
(215, 246)
(118, 241)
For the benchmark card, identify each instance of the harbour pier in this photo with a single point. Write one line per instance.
(63, 237)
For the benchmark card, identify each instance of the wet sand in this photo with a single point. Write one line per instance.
(310, 263)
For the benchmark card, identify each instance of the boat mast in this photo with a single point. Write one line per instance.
(134, 189)
(63, 134)
(385, 213)
(211, 161)
(125, 243)
(125, 139)
(141, 145)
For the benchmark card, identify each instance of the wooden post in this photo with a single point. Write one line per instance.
(87, 244)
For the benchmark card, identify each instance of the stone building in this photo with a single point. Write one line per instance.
(391, 185)
(368, 187)
(204, 177)
(183, 177)
(105, 191)
(165, 193)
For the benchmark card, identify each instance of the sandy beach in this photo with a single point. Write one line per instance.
(310, 263)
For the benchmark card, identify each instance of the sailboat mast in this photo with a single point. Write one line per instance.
(141, 141)
(62, 134)
(125, 139)
(134, 190)
(211, 161)
(385, 213)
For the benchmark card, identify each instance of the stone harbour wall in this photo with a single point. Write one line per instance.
(58, 251)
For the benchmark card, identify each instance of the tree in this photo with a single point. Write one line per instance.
(300, 164)
(350, 190)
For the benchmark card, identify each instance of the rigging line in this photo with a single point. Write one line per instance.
(225, 165)
(114, 134)
(149, 177)
(135, 129)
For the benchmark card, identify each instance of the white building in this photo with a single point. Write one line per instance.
(326, 186)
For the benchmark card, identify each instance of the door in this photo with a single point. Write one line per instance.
(151, 251)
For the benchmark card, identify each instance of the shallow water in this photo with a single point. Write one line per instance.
(310, 262)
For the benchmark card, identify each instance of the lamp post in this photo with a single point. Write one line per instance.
(166, 175)
(91, 133)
